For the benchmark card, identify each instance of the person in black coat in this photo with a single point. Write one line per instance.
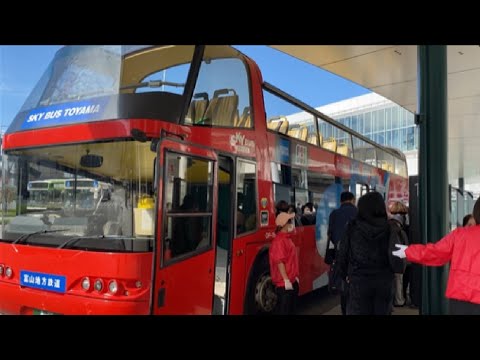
(337, 222)
(363, 259)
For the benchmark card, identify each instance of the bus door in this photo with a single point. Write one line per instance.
(186, 231)
(226, 203)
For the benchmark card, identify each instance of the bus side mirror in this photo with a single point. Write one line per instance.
(91, 161)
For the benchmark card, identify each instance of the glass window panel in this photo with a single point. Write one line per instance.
(246, 195)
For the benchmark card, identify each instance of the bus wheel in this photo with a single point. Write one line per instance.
(263, 298)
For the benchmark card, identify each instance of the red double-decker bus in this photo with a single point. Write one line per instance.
(192, 150)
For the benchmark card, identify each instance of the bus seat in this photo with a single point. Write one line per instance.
(236, 119)
(197, 108)
(312, 139)
(274, 123)
(245, 120)
(330, 144)
(294, 132)
(342, 149)
(222, 109)
(303, 133)
(283, 129)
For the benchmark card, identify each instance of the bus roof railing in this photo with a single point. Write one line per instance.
(294, 101)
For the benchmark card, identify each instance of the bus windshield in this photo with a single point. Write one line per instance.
(88, 83)
(45, 193)
(108, 206)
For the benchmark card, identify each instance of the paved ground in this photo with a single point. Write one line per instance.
(320, 302)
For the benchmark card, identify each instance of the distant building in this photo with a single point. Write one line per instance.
(375, 117)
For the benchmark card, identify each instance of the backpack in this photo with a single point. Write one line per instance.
(397, 237)
(336, 285)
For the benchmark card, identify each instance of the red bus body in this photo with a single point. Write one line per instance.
(148, 282)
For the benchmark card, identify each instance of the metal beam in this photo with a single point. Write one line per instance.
(433, 197)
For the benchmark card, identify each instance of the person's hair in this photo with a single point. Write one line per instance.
(292, 208)
(307, 205)
(398, 208)
(466, 218)
(372, 205)
(476, 211)
(346, 196)
(282, 206)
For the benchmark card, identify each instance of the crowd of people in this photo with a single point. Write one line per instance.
(374, 259)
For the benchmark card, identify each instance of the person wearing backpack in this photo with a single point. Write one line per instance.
(364, 258)
(461, 247)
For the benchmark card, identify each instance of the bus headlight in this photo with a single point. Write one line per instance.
(86, 284)
(98, 285)
(113, 286)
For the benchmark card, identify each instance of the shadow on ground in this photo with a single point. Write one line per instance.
(321, 302)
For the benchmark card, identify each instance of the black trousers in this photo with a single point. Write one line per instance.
(370, 295)
(343, 303)
(286, 300)
(459, 307)
(407, 280)
(416, 284)
(344, 297)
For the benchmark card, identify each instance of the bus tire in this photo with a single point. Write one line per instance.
(261, 296)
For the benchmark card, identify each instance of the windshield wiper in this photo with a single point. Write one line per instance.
(75, 239)
(152, 84)
(26, 236)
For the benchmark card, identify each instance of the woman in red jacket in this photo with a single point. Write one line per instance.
(284, 265)
(462, 248)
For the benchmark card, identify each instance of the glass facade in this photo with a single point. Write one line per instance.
(389, 125)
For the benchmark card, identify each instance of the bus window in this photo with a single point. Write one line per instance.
(298, 124)
(323, 194)
(246, 196)
(188, 188)
(364, 151)
(360, 190)
(221, 95)
(401, 167)
(299, 179)
(282, 183)
(172, 80)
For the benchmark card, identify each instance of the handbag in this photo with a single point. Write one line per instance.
(329, 254)
(336, 284)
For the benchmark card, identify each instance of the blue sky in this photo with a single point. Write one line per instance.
(22, 66)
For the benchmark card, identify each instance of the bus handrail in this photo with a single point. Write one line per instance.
(294, 101)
